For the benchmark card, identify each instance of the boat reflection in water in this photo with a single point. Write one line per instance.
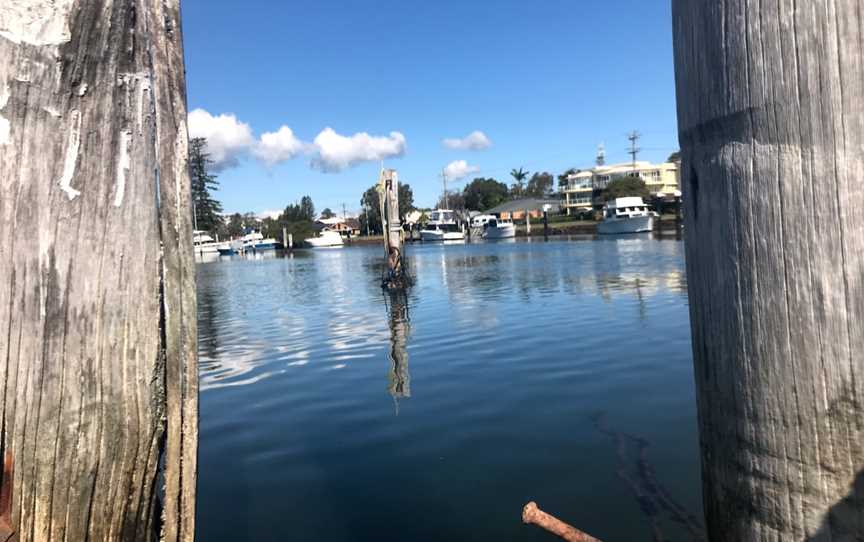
(398, 379)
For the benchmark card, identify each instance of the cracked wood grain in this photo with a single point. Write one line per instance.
(97, 297)
(771, 128)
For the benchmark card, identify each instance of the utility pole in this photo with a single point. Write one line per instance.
(601, 155)
(345, 221)
(634, 150)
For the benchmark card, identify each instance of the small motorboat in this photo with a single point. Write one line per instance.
(496, 228)
(255, 241)
(327, 238)
(229, 248)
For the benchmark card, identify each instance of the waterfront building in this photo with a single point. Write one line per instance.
(580, 193)
(517, 209)
(346, 226)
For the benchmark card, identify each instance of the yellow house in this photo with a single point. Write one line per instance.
(661, 179)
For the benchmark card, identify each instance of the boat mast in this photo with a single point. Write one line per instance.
(444, 179)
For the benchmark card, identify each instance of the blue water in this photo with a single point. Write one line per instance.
(511, 372)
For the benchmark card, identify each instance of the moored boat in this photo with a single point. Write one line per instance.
(203, 243)
(229, 248)
(499, 229)
(326, 238)
(442, 226)
(255, 241)
(625, 215)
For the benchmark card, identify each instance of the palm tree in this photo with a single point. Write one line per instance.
(519, 176)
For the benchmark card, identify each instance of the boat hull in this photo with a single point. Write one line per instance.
(500, 232)
(435, 235)
(206, 249)
(635, 224)
(326, 239)
(323, 243)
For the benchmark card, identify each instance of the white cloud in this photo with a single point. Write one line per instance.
(459, 169)
(227, 137)
(475, 141)
(279, 146)
(336, 152)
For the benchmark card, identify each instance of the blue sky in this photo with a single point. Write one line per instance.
(545, 81)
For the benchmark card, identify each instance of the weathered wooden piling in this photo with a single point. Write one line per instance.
(388, 193)
(771, 127)
(97, 286)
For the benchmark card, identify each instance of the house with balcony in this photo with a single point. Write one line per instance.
(582, 190)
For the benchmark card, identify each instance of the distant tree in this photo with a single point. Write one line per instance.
(327, 213)
(307, 209)
(623, 187)
(455, 200)
(298, 219)
(250, 220)
(482, 193)
(541, 184)
(562, 179)
(518, 188)
(371, 215)
(406, 200)
(674, 157)
(206, 209)
(234, 228)
(304, 211)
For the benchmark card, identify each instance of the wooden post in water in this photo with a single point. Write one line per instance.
(97, 284)
(388, 192)
(771, 126)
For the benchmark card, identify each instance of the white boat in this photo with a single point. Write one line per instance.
(442, 226)
(480, 221)
(256, 241)
(625, 215)
(229, 248)
(327, 238)
(499, 229)
(204, 244)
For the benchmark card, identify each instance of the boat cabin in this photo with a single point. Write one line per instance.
(625, 208)
(442, 216)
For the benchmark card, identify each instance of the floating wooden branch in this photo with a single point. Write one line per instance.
(532, 515)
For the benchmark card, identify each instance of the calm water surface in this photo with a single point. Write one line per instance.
(558, 372)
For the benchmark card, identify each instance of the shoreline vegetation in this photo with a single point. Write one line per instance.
(301, 221)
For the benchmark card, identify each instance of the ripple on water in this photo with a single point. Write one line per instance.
(340, 420)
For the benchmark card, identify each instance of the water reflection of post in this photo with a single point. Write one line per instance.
(399, 381)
